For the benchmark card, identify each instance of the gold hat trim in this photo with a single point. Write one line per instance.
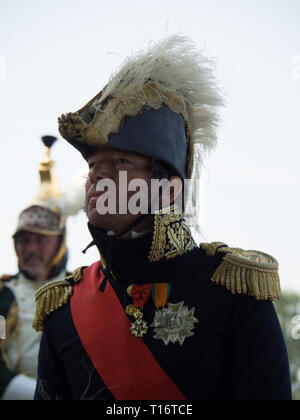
(109, 118)
(39, 231)
(59, 255)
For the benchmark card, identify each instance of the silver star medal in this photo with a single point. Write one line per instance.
(174, 323)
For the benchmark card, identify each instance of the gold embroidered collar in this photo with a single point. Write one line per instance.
(171, 237)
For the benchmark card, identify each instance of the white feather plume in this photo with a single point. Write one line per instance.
(73, 199)
(176, 67)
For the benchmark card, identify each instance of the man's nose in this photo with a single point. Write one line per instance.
(32, 246)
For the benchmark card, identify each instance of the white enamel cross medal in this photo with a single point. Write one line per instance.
(174, 323)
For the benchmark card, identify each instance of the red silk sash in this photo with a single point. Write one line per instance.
(123, 361)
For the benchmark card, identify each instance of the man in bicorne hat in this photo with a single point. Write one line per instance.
(40, 244)
(157, 318)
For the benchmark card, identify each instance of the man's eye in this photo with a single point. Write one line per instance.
(122, 160)
(91, 165)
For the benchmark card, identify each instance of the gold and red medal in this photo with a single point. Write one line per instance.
(140, 295)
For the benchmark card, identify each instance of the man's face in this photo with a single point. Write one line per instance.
(107, 164)
(35, 252)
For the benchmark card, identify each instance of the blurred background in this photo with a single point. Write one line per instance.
(55, 56)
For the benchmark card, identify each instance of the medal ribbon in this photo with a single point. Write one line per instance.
(140, 294)
(160, 294)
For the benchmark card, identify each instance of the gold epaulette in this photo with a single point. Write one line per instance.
(53, 296)
(249, 272)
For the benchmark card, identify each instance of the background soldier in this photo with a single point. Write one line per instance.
(159, 318)
(40, 244)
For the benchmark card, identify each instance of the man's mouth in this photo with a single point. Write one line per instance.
(33, 259)
(92, 198)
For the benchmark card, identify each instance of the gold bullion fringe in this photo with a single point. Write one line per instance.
(245, 278)
(77, 275)
(212, 247)
(48, 299)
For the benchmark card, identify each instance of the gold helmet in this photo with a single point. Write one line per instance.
(47, 214)
(44, 215)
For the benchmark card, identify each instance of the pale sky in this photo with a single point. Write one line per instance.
(55, 56)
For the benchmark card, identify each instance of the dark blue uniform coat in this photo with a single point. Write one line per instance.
(237, 351)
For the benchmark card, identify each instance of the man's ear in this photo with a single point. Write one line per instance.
(170, 195)
(178, 188)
